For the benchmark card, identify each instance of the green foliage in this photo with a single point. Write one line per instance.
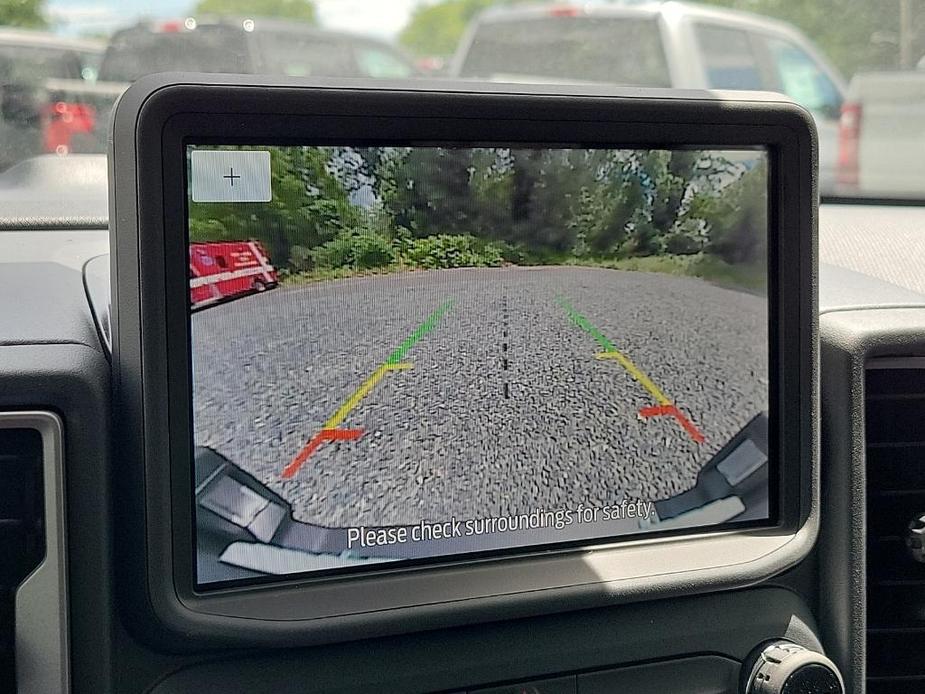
(435, 30)
(603, 214)
(302, 10)
(300, 258)
(702, 265)
(738, 229)
(368, 250)
(429, 189)
(363, 250)
(23, 13)
(680, 243)
(444, 251)
(752, 277)
(682, 265)
(328, 274)
(516, 255)
(340, 210)
(309, 207)
(537, 199)
(545, 194)
(204, 229)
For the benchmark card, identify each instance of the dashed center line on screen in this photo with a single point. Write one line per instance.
(505, 361)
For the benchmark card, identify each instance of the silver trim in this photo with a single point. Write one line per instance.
(42, 653)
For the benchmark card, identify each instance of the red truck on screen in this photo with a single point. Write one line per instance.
(222, 270)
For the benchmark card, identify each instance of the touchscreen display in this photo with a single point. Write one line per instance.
(403, 355)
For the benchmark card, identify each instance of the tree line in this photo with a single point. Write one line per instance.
(448, 207)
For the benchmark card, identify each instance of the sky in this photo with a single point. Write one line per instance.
(383, 18)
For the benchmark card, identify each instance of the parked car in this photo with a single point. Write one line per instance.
(223, 44)
(222, 270)
(29, 56)
(881, 118)
(259, 46)
(32, 121)
(656, 44)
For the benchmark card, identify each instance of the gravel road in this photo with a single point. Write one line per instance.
(505, 408)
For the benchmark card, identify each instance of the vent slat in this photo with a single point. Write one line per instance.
(895, 430)
(888, 561)
(895, 685)
(890, 515)
(896, 467)
(894, 654)
(897, 606)
(22, 536)
(901, 382)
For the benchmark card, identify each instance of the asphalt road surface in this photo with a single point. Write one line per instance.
(478, 392)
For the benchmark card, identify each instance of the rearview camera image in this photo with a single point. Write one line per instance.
(404, 355)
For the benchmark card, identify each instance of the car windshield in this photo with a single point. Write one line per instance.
(614, 50)
(133, 53)
(63, 63)
(25, 64)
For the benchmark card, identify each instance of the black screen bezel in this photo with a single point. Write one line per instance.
(329, 130)
(174, 260)
(151, 122)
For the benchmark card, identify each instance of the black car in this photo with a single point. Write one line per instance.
(255, 46)
(31, 122)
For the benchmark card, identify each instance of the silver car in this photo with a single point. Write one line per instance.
(657, 44)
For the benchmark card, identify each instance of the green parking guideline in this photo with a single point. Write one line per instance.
(586, 325)
(424, 328)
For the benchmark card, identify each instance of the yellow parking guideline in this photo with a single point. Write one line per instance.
(636, 373)
(664, 408)
(362, 392)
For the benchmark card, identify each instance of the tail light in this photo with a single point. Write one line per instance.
(849, 138)
(172, 26)
(61, 121)
(429, 64)
(175, 26)
(563, 11)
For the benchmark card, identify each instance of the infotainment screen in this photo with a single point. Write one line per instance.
(413, 354)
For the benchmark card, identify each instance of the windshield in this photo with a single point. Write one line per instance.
(133, 54)
(574, 49)
(63, 63)
(24, 64)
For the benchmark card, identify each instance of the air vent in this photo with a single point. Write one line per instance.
(22, 533)
(895, 423)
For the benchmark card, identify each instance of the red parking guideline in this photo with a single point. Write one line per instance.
(330, 431)
(673, 411)
(665, 406)
(316, 440)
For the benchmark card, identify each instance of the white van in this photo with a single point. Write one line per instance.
(657, 44)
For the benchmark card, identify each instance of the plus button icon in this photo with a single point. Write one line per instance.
(231, 176)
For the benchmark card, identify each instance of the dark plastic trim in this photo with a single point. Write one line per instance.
(151, 401)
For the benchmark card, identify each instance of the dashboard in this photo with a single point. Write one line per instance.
(848, 597)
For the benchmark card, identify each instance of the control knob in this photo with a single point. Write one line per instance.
(783, 667)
